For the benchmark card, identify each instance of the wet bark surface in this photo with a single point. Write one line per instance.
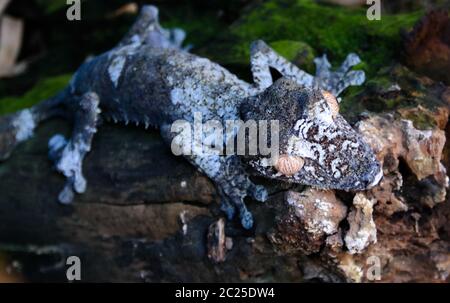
(146, 216)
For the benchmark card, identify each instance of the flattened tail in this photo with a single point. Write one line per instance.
(19, 126)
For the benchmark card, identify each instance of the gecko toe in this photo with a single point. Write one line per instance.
(246, 219)
(259, 193)
(227, 208)
(66, 195)
(56, 145)
(79, 183)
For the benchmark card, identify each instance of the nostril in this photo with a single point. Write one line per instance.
(367, 179)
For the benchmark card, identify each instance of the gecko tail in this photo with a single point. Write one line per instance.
(19, 126)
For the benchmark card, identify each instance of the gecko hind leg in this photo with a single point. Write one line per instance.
(68, 155)
(147, 30)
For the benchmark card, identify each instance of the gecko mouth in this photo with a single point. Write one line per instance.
(376, 179)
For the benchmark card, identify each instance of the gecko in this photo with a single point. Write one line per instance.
(149, 79)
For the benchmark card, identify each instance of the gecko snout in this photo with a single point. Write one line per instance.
(373, 178)
(289, 165)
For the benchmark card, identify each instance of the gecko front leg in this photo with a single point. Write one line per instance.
(233, 184)
(337, 81)
(68, 155)
(262, 57)
(227, 173)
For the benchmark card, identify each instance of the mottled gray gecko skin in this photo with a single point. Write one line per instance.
(148, 79)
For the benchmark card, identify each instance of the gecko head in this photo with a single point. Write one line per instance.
(316, 145)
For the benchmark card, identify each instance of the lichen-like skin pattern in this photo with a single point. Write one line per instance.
(150, 80)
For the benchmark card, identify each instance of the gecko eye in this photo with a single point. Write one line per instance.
(289, 165)
(332, 103)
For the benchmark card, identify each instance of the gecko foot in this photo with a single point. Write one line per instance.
(337, 81)
(232, 199)
(234, 185)
(68, 155)
(67, 160)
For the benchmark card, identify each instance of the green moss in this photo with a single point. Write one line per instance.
(201, 27)
(421, 120)
(42, 90)
(379, 84)
(51, 6)
(351, 101)
(377, 96)
(334, 30)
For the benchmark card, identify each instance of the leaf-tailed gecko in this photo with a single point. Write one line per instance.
(150, 80)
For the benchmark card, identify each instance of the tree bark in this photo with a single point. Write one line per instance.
(147, 216)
